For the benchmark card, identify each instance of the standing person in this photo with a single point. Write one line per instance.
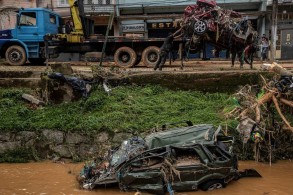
(68, 27)
(164, 51)
(265, 47)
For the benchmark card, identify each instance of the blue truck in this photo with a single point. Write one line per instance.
(26, 40)
(34, 25)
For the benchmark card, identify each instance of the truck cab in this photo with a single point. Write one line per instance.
(26, 40)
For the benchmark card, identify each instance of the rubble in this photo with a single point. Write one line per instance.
(32, 99)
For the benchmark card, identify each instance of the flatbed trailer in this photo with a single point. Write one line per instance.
(126, 52)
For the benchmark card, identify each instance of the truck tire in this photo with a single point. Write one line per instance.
(37, 61)
(125, 57)
(15, 55)
(150, 56)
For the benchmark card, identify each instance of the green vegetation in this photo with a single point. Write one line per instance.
(126, 109)
(20, 155)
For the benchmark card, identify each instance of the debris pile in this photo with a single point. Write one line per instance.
(265, 116)
(206, 16)
(225, 29)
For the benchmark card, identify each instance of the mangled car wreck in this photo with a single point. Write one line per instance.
(206, 22)
(184, 158)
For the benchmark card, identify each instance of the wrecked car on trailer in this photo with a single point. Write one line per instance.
(178, 159)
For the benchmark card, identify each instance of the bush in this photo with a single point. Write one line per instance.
(20, 155)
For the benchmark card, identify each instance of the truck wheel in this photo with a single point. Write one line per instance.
(212, 185)
(15, 55)
(125, 57)
(37, 61)
(150, 56)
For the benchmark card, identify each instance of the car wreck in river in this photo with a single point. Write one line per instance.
(185, 158)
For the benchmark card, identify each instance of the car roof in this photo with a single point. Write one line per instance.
(182, 136)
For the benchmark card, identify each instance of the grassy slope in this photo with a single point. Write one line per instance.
(130, 109)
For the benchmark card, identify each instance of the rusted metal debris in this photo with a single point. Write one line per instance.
(226, 29)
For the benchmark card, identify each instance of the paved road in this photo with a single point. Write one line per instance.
(189, 66)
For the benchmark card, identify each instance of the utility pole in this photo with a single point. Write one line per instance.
(274, 29)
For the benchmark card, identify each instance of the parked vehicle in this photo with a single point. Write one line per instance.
(178, 159)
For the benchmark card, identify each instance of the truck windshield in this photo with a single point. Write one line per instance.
(28, 19)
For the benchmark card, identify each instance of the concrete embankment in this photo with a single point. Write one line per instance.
(54, 144)
(220, 78)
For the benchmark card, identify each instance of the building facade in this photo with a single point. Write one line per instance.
(284, 44)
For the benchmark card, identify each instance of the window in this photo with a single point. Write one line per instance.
(108, 2)
(52, 19)
(28, 19)
(62, 3)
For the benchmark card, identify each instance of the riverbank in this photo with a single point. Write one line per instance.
(89, 127)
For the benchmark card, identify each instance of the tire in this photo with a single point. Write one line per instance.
(150, 56)
(200, 27)
(212, 185)
(125, 57)
(15, 55)
(37, 61)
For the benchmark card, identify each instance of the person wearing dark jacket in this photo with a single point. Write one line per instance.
(164, 51)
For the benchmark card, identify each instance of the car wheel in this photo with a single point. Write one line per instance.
(212, 185)
(150, 56)
(15, 55)
(125, 57)
(200, 27)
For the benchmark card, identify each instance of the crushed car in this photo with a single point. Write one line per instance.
(184, 158)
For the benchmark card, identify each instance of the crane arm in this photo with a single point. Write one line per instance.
(75, 16)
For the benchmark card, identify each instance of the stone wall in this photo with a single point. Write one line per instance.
(54, 144)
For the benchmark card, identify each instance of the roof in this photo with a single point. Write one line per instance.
(39, 9)
(182, 136)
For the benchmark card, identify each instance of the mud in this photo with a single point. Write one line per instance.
(59, 178)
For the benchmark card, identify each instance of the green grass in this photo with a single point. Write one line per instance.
(127, 109)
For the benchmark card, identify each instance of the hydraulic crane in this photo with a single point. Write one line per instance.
(77, 35)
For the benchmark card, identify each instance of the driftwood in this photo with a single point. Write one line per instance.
(277, 95)
(287, 102)
(281, 114)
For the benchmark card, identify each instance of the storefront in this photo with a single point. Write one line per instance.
(161, 28)
(131, 28)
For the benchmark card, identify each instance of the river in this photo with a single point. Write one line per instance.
(56, 178)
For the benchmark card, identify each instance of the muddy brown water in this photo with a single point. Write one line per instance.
(55, 178)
